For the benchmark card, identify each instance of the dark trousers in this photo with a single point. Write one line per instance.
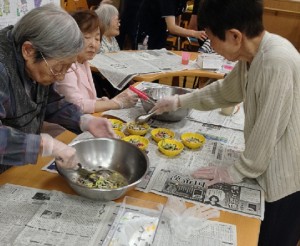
(281, 225)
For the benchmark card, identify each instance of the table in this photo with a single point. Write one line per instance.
(33, 176)
(189, 73)
(206, 74)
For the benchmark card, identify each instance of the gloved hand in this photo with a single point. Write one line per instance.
(97, 126)
(166, 104)
(126, 99)
(65, 156)
(216, 175)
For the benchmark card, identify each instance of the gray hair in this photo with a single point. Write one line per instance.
(51, 30)
(105, 12)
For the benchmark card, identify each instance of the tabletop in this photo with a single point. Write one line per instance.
(207, 74)
(33, 176)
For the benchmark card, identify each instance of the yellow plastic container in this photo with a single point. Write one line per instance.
(134, 128)
(120, 134)
(192, 140)
(170, 147)
(139, 141)
(116, 124)
(162, 133)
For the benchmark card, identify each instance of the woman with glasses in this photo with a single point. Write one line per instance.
(35, 53)
(78, 86)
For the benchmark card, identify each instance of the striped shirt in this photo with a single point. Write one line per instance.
(270, 90)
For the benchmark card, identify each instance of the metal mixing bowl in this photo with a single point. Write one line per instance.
(113, 154)
(159, 93)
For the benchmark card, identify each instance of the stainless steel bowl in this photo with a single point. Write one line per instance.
(113, 154)
(159, 93)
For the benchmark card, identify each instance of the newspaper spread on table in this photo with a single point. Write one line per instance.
(32, 216)
(120, 67)
(171, 176)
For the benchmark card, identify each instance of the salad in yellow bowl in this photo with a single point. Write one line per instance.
(170, 147)
(116, 124)
(162, 133)
(192, 140)
(137, 129)
(139, 141)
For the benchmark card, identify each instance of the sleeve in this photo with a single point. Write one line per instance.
(167, 7)
(222, 93)
(273, 110)
(16, 147)
(72, 92)
(61, 112)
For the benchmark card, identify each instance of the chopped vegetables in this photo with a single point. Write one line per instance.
(103, 180)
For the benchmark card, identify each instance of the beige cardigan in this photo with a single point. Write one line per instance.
(270, 90)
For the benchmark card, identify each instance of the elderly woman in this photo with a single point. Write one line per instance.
(109, 27)
(78, 86)
(35, 53)
(267, 79)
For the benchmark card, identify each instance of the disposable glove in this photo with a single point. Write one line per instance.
(97, 126)
(126, 99)
(217, 175)
(65, 156)
(185, 221)
(166, 104)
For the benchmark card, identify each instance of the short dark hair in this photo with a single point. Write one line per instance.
(87, 20)
(221, 15)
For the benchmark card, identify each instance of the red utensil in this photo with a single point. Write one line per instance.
(142, 95)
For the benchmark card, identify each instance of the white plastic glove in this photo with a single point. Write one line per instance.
(217, 175)
(65, 156)
(166, 104)
(184, 221)
(126, 99)
(97, 126)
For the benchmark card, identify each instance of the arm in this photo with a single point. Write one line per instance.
(180, 31)
(273, 111)
(61, 112)
(16, 147)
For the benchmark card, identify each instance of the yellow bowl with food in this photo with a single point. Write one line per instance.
(134, 128)
(170, 147)
(119, 134)
(116, 124)
(138, 141)
(192, 140)
(162, 133)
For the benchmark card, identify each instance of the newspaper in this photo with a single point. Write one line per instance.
(224, 144)
(120, 67)
(38, 217)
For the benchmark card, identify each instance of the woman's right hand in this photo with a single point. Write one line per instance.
(126, 99)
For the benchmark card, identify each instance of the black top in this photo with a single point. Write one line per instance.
(151, 17)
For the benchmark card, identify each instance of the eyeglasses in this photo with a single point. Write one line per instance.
(62, 70)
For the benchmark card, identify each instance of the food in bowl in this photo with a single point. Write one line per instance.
(165, 91)
(116, 124)
(170, 147)
(162, 133)
(103, 180)
(139, 141)
(137, 129)
(119, 134)
(192, 140)
(107, 153)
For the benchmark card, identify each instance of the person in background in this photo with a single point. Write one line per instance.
(156, 18)
(205, 46)
(35, 53)
(109, 27)
(267, 80)
(78, 86)
(93, 4)
(128, 29)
